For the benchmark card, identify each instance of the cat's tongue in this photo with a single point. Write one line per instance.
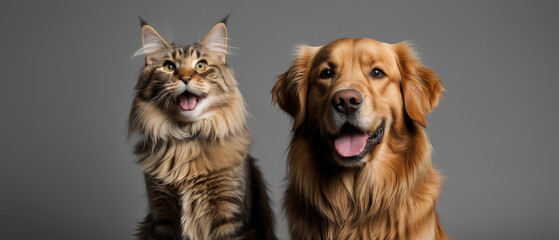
(351, 144)
(187, 101)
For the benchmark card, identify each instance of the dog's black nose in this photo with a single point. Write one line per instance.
(347, 101)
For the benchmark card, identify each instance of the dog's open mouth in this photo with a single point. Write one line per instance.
(188, 101)
(353, 143)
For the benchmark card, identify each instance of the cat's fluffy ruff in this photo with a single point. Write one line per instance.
(196, 162)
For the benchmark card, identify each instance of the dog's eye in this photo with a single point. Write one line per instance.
(169, 67)
(377, 73)
(326, 73)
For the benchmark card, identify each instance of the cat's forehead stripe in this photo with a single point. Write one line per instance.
(191, 52)
(180, 52)
(194, 51)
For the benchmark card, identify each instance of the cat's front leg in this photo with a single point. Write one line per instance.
(163, 220)
(214, 207)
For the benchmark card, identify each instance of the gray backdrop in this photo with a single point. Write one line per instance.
(67, 77)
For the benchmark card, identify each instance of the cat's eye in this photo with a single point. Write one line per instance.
(326, 73)
(201, 66)
(377, 73)
(169, 67)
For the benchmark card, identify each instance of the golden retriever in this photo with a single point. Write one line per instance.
(359, 162)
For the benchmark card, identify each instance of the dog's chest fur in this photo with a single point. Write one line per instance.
(360, 203)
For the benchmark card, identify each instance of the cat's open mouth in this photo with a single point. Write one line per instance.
(188, 101)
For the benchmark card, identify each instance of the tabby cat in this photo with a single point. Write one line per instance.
(201, 183)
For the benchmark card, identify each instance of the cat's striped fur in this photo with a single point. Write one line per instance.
(201, 182)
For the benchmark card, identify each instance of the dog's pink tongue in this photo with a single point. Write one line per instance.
(187, 102)
(351, 144)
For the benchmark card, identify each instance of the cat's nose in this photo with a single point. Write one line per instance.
(185, 79)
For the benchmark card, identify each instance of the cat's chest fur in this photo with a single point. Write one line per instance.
(210, 187)
(213, 202)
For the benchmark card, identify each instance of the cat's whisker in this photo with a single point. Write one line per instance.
(222, 108)
(253, 118)
(170, 33)
(164, 86)
(145, 89)
(140, 112)
(161, 98)
(168, 101)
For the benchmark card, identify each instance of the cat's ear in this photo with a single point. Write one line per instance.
(216, 40)
(152, 42)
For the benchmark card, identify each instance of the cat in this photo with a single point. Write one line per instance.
(194, 148)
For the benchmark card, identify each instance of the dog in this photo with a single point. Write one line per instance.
(359, 161)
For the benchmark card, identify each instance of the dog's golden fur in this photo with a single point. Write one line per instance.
(391, 192)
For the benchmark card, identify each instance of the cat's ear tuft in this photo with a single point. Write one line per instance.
(152, 42)
(142, 21)
(224, 20)
(216, 40)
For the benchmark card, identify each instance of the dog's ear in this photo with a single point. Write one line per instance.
(421, 88)
(290, 90)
